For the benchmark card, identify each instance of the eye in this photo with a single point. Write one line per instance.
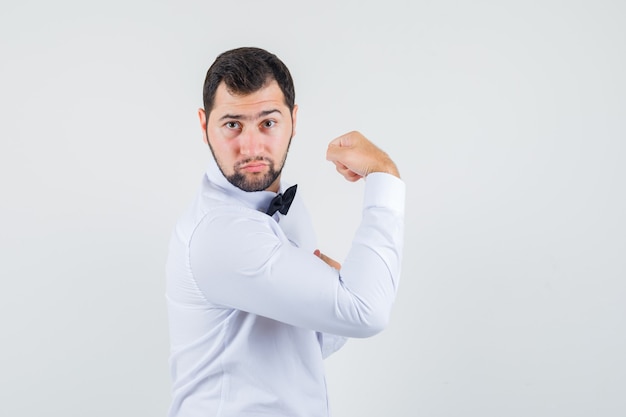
(269, 124)
(232, 125)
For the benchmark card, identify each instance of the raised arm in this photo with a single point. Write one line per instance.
(255, 268)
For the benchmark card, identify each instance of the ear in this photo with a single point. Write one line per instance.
(294, 117)
(203, 121)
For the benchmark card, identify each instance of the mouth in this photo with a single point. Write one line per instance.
(253, 166)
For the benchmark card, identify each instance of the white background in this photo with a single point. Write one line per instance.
(506, 119)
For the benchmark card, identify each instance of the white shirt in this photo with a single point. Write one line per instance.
(253, 312)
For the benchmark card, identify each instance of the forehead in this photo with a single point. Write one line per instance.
(266, 98)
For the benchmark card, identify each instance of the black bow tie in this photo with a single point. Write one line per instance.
(282, 202)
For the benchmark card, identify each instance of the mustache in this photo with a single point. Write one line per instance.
(254, 159)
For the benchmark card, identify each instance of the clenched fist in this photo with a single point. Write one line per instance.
(355, 157)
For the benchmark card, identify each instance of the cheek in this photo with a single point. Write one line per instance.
(219, 140)
(226, 150)
(280, 140)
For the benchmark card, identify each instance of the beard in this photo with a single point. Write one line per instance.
(254, 181)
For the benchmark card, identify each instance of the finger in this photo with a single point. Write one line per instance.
(341, 168)
(344, 140)
(339, 165)
(333, 153)
(347, 173)
(353, 176)
(338, 146)
(331, 262)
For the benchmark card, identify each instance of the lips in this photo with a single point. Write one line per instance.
(255, 166)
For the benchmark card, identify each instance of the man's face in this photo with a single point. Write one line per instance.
(249, 136)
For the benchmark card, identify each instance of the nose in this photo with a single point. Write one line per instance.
(250, 142)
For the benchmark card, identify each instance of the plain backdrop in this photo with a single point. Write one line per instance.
(506, 119)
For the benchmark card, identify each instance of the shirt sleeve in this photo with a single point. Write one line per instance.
(241, 259)
(330, 343)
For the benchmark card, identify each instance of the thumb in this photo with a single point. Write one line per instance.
(334, 152)
(345, 140)
(338, 147)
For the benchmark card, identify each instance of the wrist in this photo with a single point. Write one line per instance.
(388, 167)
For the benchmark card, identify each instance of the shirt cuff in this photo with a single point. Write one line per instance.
(384, 190)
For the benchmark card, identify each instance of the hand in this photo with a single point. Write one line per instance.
(355, 157)
(328, 260)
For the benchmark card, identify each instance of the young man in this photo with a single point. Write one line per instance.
(254, 307)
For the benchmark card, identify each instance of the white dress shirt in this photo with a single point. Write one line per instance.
(253, 312)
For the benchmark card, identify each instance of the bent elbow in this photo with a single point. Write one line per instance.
(362, 317)
(372, 324)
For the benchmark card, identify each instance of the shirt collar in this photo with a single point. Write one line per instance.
(258, 200)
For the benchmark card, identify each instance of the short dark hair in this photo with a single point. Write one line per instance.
(244, 71)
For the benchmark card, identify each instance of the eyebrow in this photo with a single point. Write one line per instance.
(257, 116)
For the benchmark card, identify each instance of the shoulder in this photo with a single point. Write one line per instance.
(231, 218)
